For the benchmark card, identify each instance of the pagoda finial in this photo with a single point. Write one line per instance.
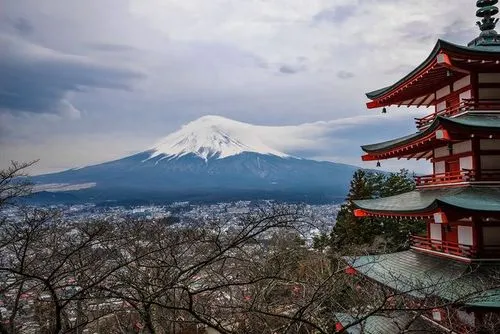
(486, 11)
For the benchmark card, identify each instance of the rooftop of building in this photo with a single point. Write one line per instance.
(421, 276)
(391, 323)
(471, 122)
(427, 201)
(446, 63)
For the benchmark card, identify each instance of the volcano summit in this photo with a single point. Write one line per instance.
(208, 160)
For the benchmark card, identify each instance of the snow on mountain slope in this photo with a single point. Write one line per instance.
(213, 137)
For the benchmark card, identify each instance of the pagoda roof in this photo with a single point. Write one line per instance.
(425, 141)
(390, 323)
(446, 63)
(420, 275)
(427, 202)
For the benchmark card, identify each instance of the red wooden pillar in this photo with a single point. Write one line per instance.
(477, 234)
(474, 81)
(476, 158)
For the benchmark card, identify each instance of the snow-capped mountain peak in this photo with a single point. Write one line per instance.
(213, 137)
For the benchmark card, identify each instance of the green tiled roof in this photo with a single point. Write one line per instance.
(478, 199)
(440, 45)
(372, 148)
(474, 121)
(420, 275)
(380, 324)
(470, 121)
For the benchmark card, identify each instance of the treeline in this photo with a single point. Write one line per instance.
(372, 235)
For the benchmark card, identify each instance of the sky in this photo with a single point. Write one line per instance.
(83, 82)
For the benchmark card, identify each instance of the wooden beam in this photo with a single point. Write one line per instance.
(444, 60)
(422, 155)
(411, 156)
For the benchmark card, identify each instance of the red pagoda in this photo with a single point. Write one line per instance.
(459, 256)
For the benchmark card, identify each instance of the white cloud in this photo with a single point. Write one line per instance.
(260, 61)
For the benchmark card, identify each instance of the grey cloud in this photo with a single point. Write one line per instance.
(291, 69)
(37, 79)
(336, 14)
(22, 26)
(417, 30)
(345, 75)
(400, 69)
(104, 47)
(459, 31)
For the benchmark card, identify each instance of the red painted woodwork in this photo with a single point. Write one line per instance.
(459, 107)
(350, 271)
(441, 178)
(360, 213)
(452, 100)
(440, 218)
(457, 92)
(443, 246)
(454, 248)
(458, 176)
(451, 234)
(443, 135)
(453, 157)
(453, 166)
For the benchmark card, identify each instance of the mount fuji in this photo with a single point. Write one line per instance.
(210, 159)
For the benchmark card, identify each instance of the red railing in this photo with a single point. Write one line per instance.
(464, 175)
(465, 105)
(455, 248)
(442, 178)
(447, 247)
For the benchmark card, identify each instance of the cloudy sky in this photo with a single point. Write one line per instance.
(83, 82)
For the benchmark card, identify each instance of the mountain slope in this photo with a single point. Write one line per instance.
(210, 159)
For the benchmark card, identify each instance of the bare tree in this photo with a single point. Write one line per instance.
(250, 274)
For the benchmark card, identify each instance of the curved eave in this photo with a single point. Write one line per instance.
(426, 202)
(425, 140)
(401, 142)
(376, 94)
(382, 97)
(482, 123)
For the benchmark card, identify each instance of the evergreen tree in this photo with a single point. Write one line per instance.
(374, 234)
(348, 229)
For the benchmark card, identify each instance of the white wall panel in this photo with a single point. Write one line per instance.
(436, 231)
(461, 83)
(490, 144)
(466, 162)
(441, 152)
(465, 95)
(441, 106)
(490, 162)
(489, 77)
(465, 235)
(462, 147)
(440, 167)
(489, 93)
(443, 92)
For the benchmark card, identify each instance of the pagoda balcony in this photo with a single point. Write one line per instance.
(462, 176)
(454, 249)
(441, 246)
(465, 106)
